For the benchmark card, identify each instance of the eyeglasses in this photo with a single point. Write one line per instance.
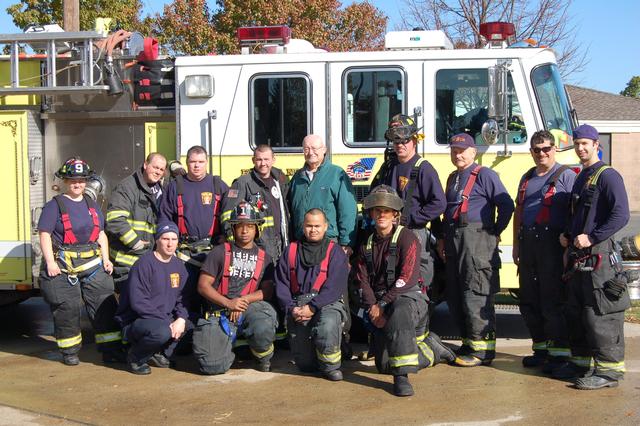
(308, 149)
(544, 149)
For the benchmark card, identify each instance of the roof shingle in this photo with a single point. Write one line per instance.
(596, 105)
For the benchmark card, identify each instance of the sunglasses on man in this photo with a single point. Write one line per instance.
(544, 149)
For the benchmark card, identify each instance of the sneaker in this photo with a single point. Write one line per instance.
(113, 357)
(534, 360)
(70, 359)
(442, 352)
(401, 386)
(470, 361)
(159, 361)
(139, 368)
(595, 382)
(333, 375)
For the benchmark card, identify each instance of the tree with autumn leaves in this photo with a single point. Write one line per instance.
(190, 27)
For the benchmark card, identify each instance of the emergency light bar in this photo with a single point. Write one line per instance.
(280, 34)
(497, 31)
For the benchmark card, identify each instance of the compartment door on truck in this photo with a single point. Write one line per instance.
(15, 240)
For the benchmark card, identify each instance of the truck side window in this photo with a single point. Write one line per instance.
(280, 112)
(461, 106)
(370, 98)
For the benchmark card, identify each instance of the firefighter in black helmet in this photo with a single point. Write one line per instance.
(236, 282)
(395, 308)
(76, 267)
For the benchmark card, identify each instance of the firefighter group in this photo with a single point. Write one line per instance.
(188, 264)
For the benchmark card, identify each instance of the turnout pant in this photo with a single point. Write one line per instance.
(65, 301)
(315, 346)
(400, 347)
(472, 264)
(542, 291)
(148, 336)
(596, 319)
(427, 268)
(213, 347)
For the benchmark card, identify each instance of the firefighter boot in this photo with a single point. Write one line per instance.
(159, 361)
(470, 361)
(70, 359)
(333, 375)
(263, 365)
(441, 352)
(568, 370)
(401, 386)
(595, 382)
(536, 360)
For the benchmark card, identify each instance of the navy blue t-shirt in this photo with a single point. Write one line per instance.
(199, 203)
(611, 208)
(487, 195)
(428, 201)
(537, 187)
(154, 290)
(81, 221)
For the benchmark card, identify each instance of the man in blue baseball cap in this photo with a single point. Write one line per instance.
(151, 312)
(597, 293)
(469, 246)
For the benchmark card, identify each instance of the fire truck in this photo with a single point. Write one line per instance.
(111, 108)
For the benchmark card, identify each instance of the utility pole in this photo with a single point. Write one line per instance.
(71, 15)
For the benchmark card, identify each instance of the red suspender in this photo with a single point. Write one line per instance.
(293, 278)
(181, 222)
(69, 236)
(463, 208)
(544, 214)
(322, 275)
(252, 285)
(224, 283)
(216, 209)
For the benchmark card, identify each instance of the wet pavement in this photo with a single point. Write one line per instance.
(35, 388)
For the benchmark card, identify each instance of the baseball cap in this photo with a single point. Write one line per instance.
(461, 140)
(586, 132)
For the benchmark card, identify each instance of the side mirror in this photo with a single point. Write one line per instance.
(497, 91)
(490, 131)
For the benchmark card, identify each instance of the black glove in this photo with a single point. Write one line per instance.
(615, 288)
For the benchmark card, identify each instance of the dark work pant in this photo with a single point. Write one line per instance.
(315, 346)
(213, 348)
(542, 291)
(426, 257)
(148, 336)
(472, 264)
(400, 346)
(596, 321)
(66, 300)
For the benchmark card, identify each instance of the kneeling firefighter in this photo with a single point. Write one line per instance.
(394, 308)
(236, 282)
(76, 267)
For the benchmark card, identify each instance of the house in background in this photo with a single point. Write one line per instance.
(617, 118)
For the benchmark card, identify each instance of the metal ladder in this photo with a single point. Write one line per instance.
(81, 42)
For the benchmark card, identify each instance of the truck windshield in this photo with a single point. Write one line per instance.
(553, 103)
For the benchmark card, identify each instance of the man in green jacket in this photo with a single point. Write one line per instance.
(132, 215)
(320, 184)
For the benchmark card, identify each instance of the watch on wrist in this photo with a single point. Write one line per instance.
(382, 304)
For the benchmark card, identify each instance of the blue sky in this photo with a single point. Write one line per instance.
(607, 29)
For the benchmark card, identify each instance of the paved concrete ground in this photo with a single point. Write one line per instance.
(36, 389)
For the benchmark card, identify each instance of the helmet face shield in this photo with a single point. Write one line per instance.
(401, 129)
(399, 134)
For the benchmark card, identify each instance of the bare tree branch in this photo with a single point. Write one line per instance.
(546, 21)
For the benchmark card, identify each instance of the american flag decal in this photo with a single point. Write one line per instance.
(361, 169)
